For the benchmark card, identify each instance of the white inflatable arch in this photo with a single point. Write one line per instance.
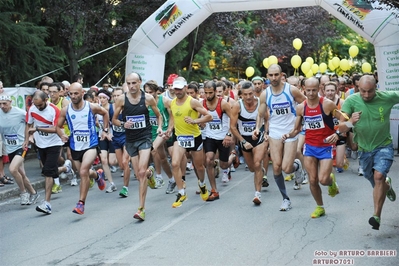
(175, 19)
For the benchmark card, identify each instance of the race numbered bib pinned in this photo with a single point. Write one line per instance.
(186, 141)
(215, 124)
(81, 136)
(281, 108)
(137, 120)
(153, 121)
(314, 122)
(11, 139)
(249, 126)
(118, 129)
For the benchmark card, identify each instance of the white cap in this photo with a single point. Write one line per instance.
(179, 83)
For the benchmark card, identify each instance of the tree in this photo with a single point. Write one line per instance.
(23, 51)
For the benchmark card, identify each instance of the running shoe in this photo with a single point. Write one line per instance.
(360, 171)
(289, 177)
(45, 207)
(124, 192)
(203, 192)
(100, 179)
(113, 168)
(80, 208)
(179, 200)
(159, 182)
(297, 186)
(257, 201)
(111, 188)
(232, 168)
(318, 212)
(189, 166)
(242, 160)
(214, 195)
(265, 182)
(354, 155)
(286, 205)
(68, 165)
(171, 187)
(24, 198)
(152, 183)
(375, 222)
(225, 178)
(74, 181)
(140, 214)
(391, 195)
(217, 169)
(340, 170)
(333, 189)
(298, 172)
(246, 167)
(33, 198)
(56, 189)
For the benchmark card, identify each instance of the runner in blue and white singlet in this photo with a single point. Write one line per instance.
(83, 128)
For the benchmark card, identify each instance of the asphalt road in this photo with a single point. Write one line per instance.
(229, 231)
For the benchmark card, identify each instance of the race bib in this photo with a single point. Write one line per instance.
(249, 126)
(215, 124)
(186, 141)
(153, 121)
(118, 129)
(314, 122)
(11, 139)
(41, 133)
(281, 108)
(138, 121)
(81, 136)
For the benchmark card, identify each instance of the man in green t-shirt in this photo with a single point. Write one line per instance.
(369, 111)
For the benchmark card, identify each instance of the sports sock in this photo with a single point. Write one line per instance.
(57, 181)
(281, 185)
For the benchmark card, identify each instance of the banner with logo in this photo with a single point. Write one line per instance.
(21, 96)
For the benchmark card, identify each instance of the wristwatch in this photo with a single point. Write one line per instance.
(243, 141)
(228, 134)
(105, 130)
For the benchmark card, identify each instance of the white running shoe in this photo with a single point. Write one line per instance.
(113, 168)
(45, 207)
(159, 182)
(111, 188)
(286, 205)
(74, 181)
(225, 178)
(24, 198)
(297, 186)
(305, 178)
(360, 171)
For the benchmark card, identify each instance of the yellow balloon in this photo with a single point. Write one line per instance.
(323, 67)
(344, 65)
(315, 68)
(296, 61)
(305, 67)
(250, 71)
(309, 74)
(266, 62)
(310, 60)
(353, 51)
(366, 67)
(273, 60)
(331, 66)
(335, 62)
(297, 43)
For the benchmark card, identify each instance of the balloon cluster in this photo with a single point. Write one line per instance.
(309, 67)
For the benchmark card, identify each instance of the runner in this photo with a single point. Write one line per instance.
(187, 137)
(83, 140)
(136, 121)
(13, 133)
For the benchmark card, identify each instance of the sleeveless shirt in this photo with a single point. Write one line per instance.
(179, 113)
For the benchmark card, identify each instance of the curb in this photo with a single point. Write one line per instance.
(14, 192)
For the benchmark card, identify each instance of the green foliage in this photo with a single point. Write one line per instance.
(23, 50)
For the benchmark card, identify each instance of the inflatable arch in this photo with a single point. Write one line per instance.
(175, 19)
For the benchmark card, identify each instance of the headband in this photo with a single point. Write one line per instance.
(5, 98)
(103, 95)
